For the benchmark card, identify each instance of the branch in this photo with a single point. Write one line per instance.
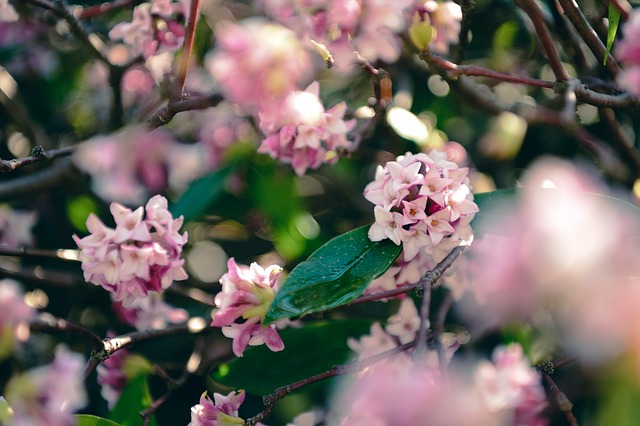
(608, 117)
(588, 34)
(564, 404)
(467, 7)
(101, 9)
(187, 47)
(423, 329)
(34, 182)
(47, 323)
(534, 13)
(338, 370)
(438, 328)
(37, 155)
(166, 113)
(60, 254)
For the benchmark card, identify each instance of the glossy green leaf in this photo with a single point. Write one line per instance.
(134, 398)
(307, 351)
(201, 194)
(614, 21)
(88, 420)
(333, 275)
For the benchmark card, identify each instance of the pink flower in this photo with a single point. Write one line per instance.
(15, 315)
(301, 133)
(7, 12)
(150, 313)
(15, 227)
(222, 412)
(48, 395)
(139, 257)
(247, 293)
(257, 63)
(628, 51)
(445, 18)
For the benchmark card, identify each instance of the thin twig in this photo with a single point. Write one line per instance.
(608, 117)
(43, 179)
(438, 328)
(467, 7)
(166, 113)
(423, 328)
(101, 9)
(48, 323)
(588, 34)
(38, 155)
(187, 47)
(534, 13)
(60, 254)
(564, 404)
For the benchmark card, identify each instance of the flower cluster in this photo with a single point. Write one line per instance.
(223, 410)
(505, 392)
(257, 63)
(15, 227)
(247, 293)
(628, 51)
(14, 315)
(302, 133)
(422, 202)
(444, 20)
(150, 313)
(48, 395)
(156, 27)
(126, 166)
(138, 256)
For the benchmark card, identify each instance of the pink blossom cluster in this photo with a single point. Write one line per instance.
(129, 165)
(15, 315)
(302, 133)
(370, 27)
(247, 293)
(424, 203)
(505, 392)
(15, 227)
(138, 257)
(48, 395)
(444, 18)
(628, 52)
(117, 371)
(257, 63)
(222, 411)
(156, 27)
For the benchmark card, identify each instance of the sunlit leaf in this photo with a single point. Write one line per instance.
(88, 420)
(134, 398)
(333, 275)
(308, 350)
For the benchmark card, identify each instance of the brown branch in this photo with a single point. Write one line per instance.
(38, 274)
(37, 181)
(467, 7)
(564, 404)
(48, 323)
(588, 34)
(608, 117)
(60, 254)
(438, 329)
(38, 155)
(420, 348)
(534, 13)
(101, 9)
(338, 370)
(166, 113)
(187, 47)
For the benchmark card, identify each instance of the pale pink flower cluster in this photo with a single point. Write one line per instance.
(257, 63)
(7, 12)
(445, 18)
(301, 133)
(15, 227)
(222, 411)
(424, 203)
(247, 293)
(150, 313)
(505, 392)
(129, 165)
(370, 27)
(48, 395)
(15, 315)
(156, 27)
(628, 52)
(139, 256)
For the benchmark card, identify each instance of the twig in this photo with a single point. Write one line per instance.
(571, 44)
(467, 7)
(429, 279)
(37, 181)
(338, 370)
(49, 323)
(187, 47)
(101, 9)
(60, 254)
(438, 328)
(193, 293)
(19, 115)
(37, 155)
(532, 10)
(423, 329)
(588, 34)
(608, 117)
(166, 113)
(42, 276)
(564, 404)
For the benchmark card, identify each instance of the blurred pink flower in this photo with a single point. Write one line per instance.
(257, 63)
(150, 313)
(7, 12)
(16, 226)
(301, 133)
(247, 293)
(628, 51)
(15, 315)
(129, 165)
(445, 18)
(48, 395)
(222, 411)
(136, 258)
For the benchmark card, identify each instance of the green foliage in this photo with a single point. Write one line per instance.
(78, 210)
(308, 350)
(88, 420)
(614, 21)
(201, 194)
(134, 398)
(333, 275)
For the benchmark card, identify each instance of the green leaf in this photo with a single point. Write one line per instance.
(495, 207)
(88, 420)
(333, 275)
(135, 398)
(201, 194)
(614, 21)
(307, 351)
